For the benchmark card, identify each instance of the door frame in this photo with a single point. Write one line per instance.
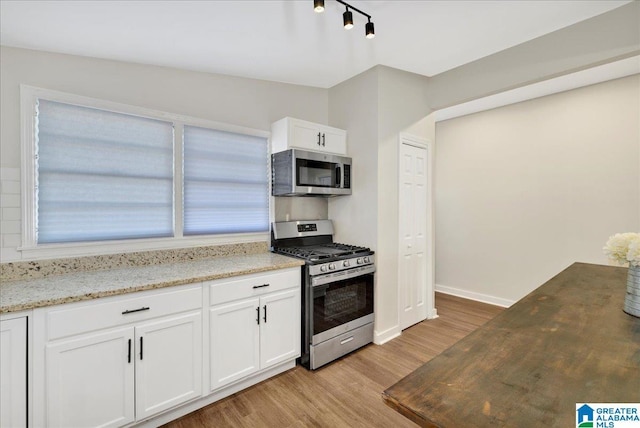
(426, 144)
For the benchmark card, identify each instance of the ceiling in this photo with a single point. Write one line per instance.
(286, 41)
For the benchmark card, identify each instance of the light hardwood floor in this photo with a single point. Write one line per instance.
(347, 392)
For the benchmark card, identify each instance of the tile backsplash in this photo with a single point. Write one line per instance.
(10, 226)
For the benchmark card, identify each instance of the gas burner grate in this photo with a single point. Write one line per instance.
(303, 253)
(327, 252)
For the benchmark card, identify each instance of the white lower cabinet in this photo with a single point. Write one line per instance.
(168, 363)
(139, 358)
(90, 382)
(280, 327)
(116, 376)
(255, 333)
(13, 372)
(235, 341)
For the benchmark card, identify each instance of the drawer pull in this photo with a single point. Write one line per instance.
(347, 340)
(136, 310)
(260, 286)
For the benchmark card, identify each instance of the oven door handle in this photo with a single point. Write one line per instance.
(345, 274)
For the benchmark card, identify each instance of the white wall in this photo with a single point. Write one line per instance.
(525, 190)
(233, 100)
(376, 107)
(353, 105)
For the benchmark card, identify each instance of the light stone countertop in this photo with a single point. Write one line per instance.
(27, 294)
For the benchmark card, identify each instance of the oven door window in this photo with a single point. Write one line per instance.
(315, 173)
(340, 302)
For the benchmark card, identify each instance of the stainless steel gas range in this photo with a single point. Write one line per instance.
(337, 290)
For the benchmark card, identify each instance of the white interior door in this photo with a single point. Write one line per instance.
(414, 192)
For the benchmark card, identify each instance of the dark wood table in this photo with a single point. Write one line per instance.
(567, 342)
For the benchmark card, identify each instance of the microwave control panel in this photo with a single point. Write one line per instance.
(347, 176)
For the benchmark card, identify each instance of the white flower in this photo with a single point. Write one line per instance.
(633, 255)
(619, 249)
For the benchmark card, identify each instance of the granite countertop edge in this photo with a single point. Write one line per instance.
(23, 295)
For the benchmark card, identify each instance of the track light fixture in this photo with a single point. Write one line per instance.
(347, 17)
(370, 33)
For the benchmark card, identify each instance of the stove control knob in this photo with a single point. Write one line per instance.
(332, 266)
(367, 260)
(323, 268)
(346, 263)
(359, 261)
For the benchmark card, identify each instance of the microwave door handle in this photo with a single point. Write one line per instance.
(338, 176)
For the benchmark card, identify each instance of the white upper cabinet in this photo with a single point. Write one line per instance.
(290, 133)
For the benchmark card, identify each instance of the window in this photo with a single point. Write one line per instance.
(104, 174)
(225, 182)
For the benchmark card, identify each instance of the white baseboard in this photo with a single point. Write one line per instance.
(383, 337)
(479, 297)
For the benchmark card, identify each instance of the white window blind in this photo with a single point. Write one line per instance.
(102, 175)
(226, 186)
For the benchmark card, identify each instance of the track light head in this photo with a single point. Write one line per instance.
(318, 6)
(369, 30)
(347, 18)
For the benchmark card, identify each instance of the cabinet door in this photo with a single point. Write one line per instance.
(168, 363)
(13, 372)
(334, 140)
(305, 135)
(89, 380)
(234, 341)
(280, 327)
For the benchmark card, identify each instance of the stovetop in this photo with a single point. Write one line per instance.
(312, 241)
(323, 252)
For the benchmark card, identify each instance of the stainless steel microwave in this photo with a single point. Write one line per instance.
(297, 172)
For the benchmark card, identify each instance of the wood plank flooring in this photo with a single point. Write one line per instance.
(347, 392)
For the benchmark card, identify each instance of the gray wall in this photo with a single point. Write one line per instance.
(601, 39)
(525, 190)
(233, 100)
(389, 102)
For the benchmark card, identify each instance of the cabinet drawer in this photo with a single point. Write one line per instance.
(245, 286)
(109, 312)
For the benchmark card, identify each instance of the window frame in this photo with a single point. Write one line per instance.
(32, 250)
